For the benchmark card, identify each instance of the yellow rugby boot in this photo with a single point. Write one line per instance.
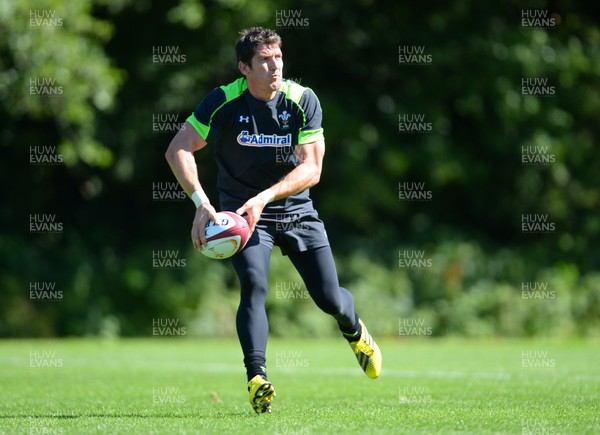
(261, 394)
(367, 353)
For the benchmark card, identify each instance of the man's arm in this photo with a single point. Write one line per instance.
(180, 156)
(305, 175)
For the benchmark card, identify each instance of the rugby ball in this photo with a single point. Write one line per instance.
(227, 239)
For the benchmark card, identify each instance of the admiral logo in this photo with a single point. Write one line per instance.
(270, 140)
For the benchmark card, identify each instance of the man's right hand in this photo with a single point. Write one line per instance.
(204, 213)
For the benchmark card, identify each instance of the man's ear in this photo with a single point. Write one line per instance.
(243, 67)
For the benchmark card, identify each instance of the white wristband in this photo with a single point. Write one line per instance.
(199, 197)
(267, 196)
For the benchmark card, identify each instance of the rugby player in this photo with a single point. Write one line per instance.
(267, 139)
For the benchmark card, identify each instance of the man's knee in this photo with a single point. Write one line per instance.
(330, 302)
(253, 282)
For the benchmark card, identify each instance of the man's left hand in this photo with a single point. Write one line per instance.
(253, 207)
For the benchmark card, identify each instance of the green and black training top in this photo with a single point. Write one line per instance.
(253, 140)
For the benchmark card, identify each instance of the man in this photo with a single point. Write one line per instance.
(268, 143)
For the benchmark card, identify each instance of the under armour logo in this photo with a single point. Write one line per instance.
(244, 118)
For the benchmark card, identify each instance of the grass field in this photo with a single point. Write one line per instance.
(186, 386)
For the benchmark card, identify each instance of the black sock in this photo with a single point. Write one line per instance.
(353, 333)
(255, 366)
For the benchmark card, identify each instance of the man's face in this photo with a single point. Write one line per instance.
(266, 67)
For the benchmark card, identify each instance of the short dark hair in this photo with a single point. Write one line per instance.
(252, 38)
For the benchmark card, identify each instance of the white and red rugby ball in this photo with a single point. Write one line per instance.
(227, 239)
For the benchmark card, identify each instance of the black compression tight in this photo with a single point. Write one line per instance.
(317, 269)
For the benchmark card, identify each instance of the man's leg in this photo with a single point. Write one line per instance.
(252, 268)
(317, 268)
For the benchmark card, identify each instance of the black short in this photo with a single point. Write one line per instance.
(291, 232)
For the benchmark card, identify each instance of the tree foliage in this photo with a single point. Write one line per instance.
(112, 121)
